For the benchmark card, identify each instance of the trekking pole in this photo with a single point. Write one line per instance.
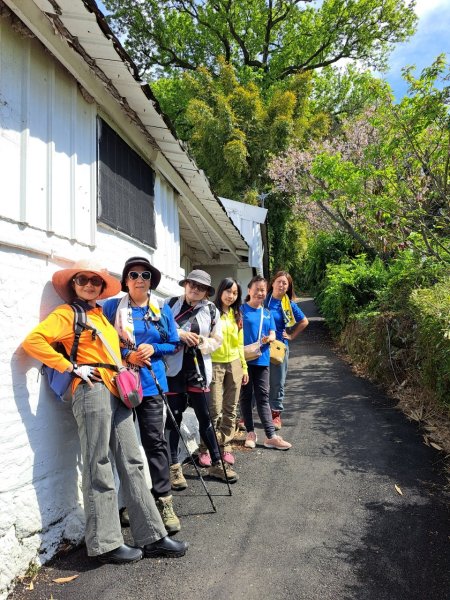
(171, 415)
(201, 380)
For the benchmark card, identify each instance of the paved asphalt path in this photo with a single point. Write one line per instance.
(321, 521)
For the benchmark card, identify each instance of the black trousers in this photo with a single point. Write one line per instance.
(258, 385)
(178, 404)
(150, 418)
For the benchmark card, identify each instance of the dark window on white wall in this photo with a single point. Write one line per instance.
(125, 187)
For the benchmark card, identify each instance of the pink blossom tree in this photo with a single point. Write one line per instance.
(384, 177)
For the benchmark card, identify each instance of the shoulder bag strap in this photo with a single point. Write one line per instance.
(261, 323)
(212, 314)
(78, 325)
(162, 326)
(113, 355)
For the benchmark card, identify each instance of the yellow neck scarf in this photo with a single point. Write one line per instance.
(286, 308)
(287, 311)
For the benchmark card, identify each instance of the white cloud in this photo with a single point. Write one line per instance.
(431, 39)
(423, 7)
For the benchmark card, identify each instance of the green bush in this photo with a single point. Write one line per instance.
(349, 287)
(324, 249)
(394, 319)
(288, 239)
(383, 345)
(408, 271)
(431, 310)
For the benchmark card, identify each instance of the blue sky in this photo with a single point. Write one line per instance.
(432, 38)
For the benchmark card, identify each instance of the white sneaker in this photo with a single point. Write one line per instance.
(250, 440)
(277, 443)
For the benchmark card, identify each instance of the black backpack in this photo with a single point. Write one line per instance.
(79, 325)
(60, 382)
(212, 312)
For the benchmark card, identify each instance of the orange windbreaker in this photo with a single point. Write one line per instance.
(58, 327)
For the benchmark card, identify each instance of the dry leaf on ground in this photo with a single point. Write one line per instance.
(64, 579)
(436, 446)
(398, 490)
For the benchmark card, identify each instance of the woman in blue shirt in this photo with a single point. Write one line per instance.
(147, 333)
(289, 322)
(258, 326)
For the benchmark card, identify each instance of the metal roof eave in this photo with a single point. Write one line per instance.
(91, 36)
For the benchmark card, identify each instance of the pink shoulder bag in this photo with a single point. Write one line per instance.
(128, 382)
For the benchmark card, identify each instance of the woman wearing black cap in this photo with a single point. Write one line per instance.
(200, 331)
(146, 334)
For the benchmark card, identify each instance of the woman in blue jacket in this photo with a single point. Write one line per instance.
(148, 333)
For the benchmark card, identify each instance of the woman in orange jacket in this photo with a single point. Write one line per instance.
(104, 423)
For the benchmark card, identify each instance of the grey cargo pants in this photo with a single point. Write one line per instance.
(106, 424)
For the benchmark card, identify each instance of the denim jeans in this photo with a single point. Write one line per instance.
(106, 425)
(278, 375)
(259, 384)
(150, 416)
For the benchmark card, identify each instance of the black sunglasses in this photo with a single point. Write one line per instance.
(199, 286)
(96, 280)
(145, 275)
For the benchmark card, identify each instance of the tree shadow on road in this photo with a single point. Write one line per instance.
(403, 554)
(400, 547)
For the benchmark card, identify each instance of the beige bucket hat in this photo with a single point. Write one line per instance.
(201, 277)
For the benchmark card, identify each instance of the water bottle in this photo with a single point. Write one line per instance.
(187, 326)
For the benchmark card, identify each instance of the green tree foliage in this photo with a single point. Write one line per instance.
(344, 93)
(384, 179)
(349, 287)
(276, 38)
(232, 129)
(288, 239)
(416, 160)
(325, 248)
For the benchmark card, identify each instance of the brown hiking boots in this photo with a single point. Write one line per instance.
(177, 480)
(168, 516)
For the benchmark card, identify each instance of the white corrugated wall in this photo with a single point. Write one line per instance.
(167, 254)
(48, 218)
(47, 142)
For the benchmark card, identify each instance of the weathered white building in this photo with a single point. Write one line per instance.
(250, 221)
(89, 166)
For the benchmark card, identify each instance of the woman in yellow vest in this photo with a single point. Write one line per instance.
(229, 370)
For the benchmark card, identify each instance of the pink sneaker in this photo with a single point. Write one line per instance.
(250, 440)
(228, 458)
(277, 443)
(204, 459)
